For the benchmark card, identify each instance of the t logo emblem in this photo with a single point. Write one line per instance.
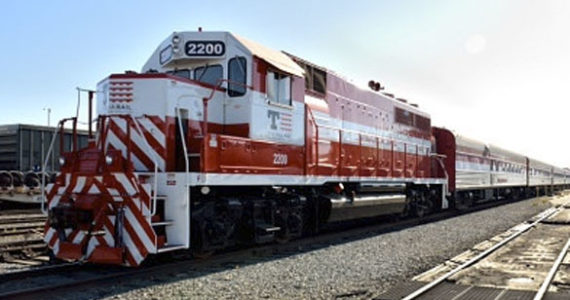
(274, 115)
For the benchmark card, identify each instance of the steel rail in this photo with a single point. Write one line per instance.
(37, 271)
(546, 283)
(542, 216)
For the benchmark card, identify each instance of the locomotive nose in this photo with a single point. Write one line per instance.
(77, 220)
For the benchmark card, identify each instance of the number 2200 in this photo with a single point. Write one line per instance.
(280, 159)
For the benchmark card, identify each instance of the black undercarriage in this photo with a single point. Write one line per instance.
(232, 216)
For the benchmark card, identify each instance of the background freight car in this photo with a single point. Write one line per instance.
(23, 147)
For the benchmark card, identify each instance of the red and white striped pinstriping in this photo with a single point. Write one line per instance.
(139, 239)
(153, 133)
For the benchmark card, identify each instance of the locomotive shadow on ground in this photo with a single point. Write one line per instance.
(195, 268)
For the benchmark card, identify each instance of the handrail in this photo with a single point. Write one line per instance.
(155, 186)
(187, 165)
(42, 189)
(186, 161)
(310, 110)
(183, 138)
(367, 134)
(205, 100)
(60, 127)
(377, 138)
(439, 158)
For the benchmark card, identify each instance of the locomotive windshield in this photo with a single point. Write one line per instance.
(209, 74)
(213, 73)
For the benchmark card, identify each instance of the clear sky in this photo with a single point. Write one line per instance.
(494, 70)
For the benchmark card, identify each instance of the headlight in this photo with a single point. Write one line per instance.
(175, 39)
(61, 161)
(175, 49)
(205, 190)
(108, 160)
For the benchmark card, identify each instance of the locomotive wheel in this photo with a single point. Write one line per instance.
(196, 247)
(422, 208)
(421, 204)
(465, 200)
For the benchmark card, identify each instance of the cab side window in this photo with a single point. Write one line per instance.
(279, 88)
(237, 72)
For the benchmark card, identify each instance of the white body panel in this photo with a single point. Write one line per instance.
(279, 123)
(177, 207)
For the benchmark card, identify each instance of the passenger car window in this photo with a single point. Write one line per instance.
(237, 72)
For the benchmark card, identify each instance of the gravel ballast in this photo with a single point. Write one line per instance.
(359, 269)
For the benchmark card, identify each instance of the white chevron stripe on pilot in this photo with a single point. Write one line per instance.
(91, 246)
(48, 188)
(121, 177)
(55, 248)
(146, 188)
(156, 133)
(141, 206)
(54, 201)
(108, 237)
(125, 183)
(49, 235)
(113, 192)
(118, 144)
(142, 144)
(79, 184)
(93, 190)
(131, 247)
(78, 238)
(141, 233)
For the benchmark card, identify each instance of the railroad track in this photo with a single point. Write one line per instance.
(452, 283)
(19, 211)
(548, 280)
(21, 228)
(21, 218)
(21, 233)
(32, 283)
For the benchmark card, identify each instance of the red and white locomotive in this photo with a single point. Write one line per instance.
(222, 141)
